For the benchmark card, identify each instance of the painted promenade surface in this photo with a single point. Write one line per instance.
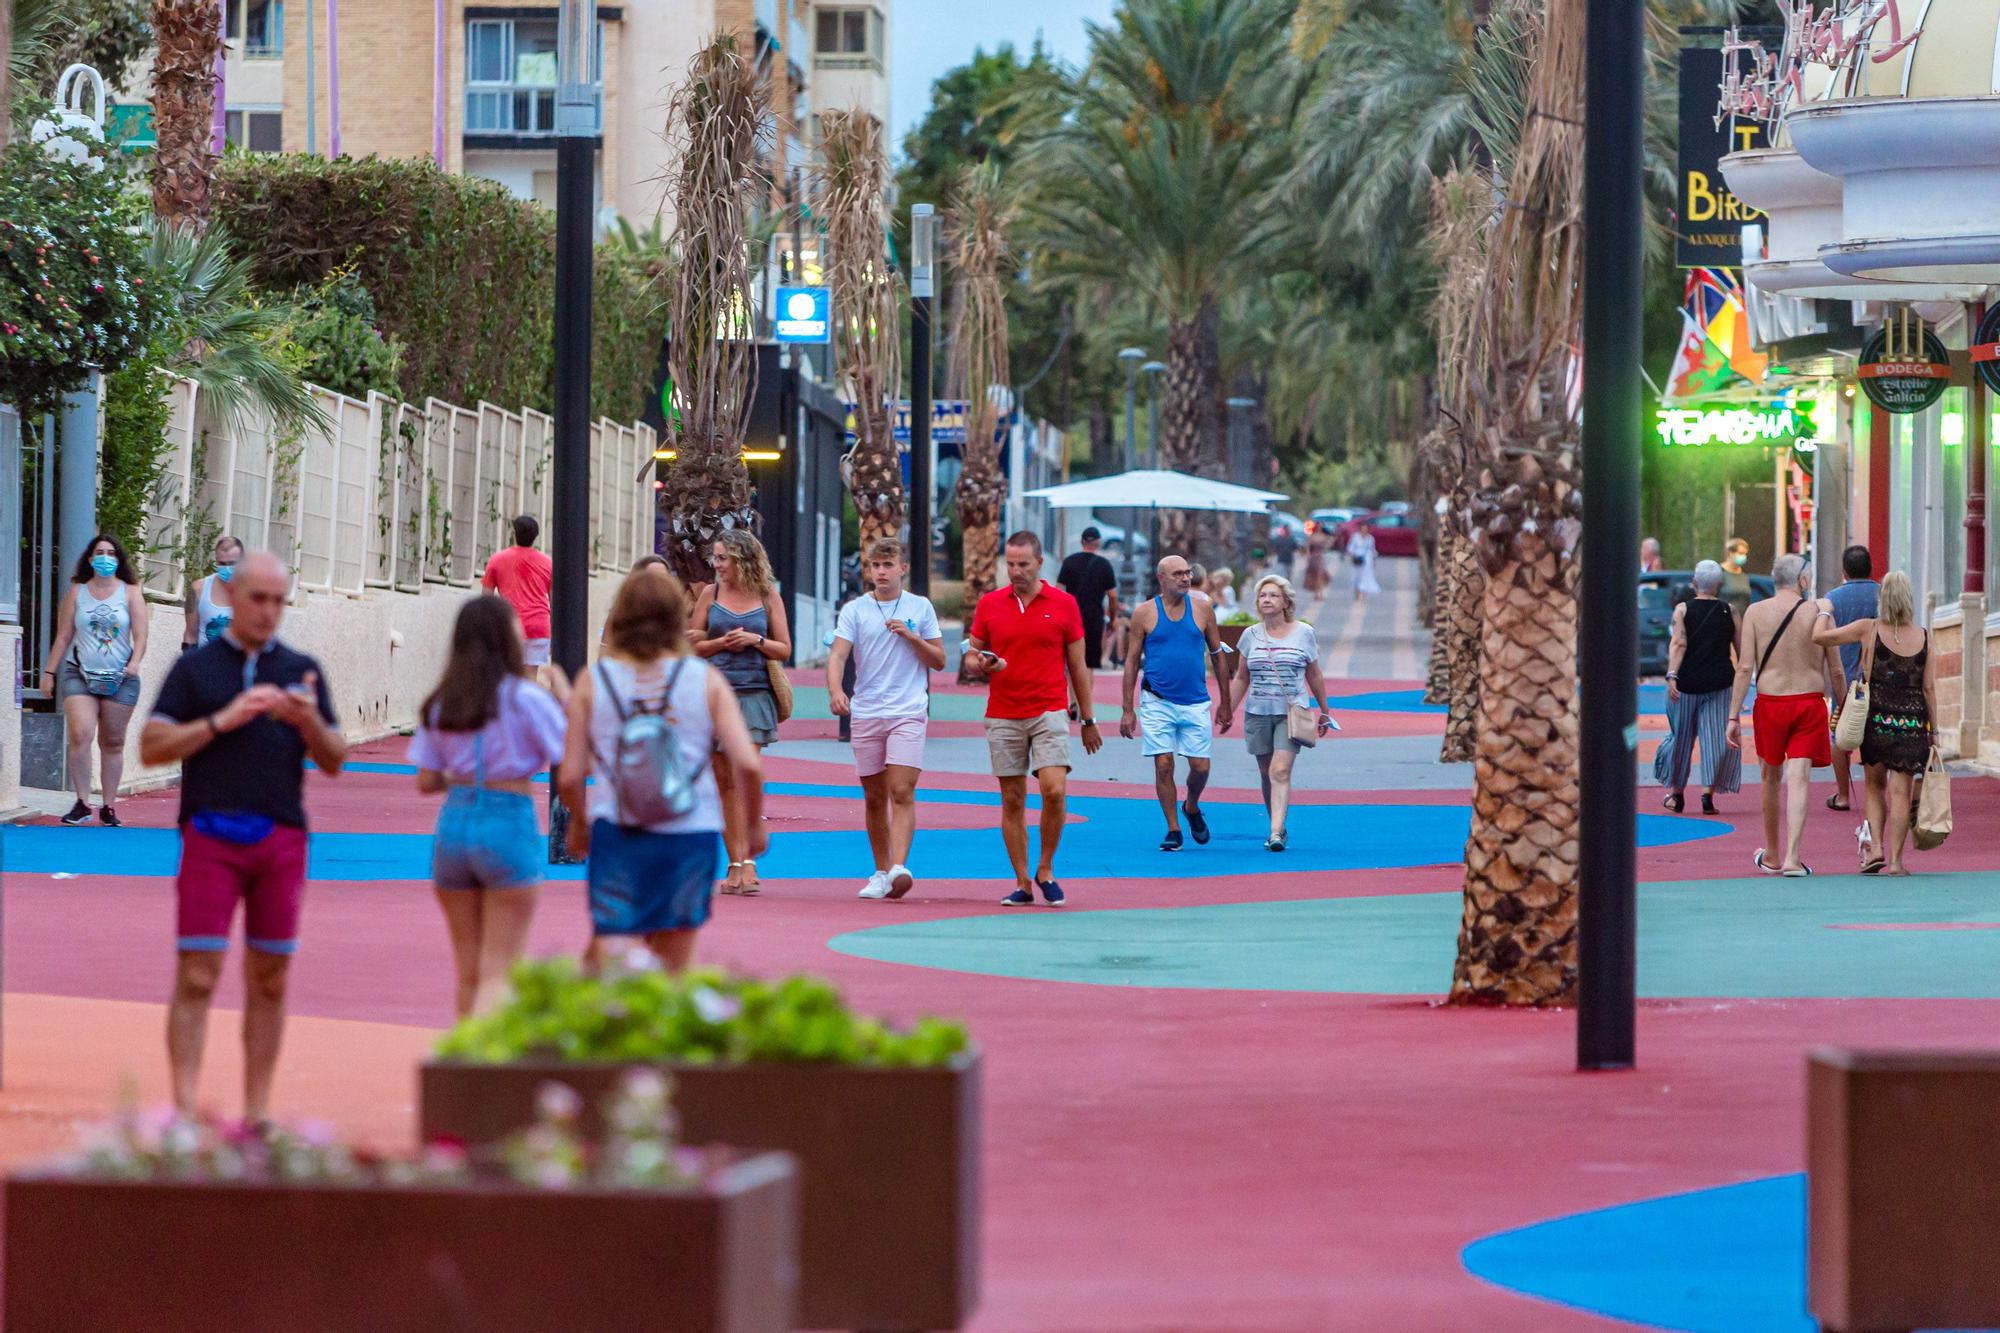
(1220, 1093)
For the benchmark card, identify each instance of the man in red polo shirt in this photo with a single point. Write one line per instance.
(1027, 639)
(522, 575)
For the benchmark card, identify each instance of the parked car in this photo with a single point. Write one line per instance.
(1114, 540)
(1327, 520)
(1659, 593)
(1281, 520)
(1395, 507)
(1395, 534)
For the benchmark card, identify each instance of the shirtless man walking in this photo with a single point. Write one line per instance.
(1793, 677)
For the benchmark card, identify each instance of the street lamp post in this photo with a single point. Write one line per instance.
(1239, 469)
(1152, 370)
(1131, 356)
(923, 467)
(577, 131)
(1608, 637)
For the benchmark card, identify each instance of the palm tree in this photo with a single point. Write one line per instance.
(715, 118)
(981, 213)
(852, 177)
(187, 37)
(1161, 184)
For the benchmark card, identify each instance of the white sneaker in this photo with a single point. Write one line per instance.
(901, 881)
(877, 885)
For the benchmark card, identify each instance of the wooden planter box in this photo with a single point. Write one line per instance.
(888, 1166)
(1231, 634)
(1903, 1189)
(172, 1257)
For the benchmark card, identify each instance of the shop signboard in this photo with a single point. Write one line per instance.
(1904, 368)
(1755, 423)
(1986, 349)
(805, 315)
(1708, 220)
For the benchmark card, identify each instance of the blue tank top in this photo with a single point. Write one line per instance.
(1176, 656)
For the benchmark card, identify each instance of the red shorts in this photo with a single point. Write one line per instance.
(268, 877)
(1792, 726)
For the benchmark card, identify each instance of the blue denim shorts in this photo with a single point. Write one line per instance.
(488, 840)
(642, 882)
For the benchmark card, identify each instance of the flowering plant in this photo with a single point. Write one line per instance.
(73, 288)
(636, 1012)
(640, 1148)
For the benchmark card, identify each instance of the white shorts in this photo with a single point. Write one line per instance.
(1170, 728)
(535, 652)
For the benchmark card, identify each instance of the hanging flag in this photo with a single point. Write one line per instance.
(1715, 351)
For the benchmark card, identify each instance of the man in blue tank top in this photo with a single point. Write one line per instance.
(1168, 650)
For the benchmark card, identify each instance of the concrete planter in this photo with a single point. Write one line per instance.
(888, 1166)
(208, 1257)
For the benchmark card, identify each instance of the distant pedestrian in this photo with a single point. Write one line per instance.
(1792, 675)
(645, 725)
(93, 670)
(1319, 575)
(1736, 589)
(486, 732)
(1361, 555)
(895, 642)
(1649, 556)
(1278, 671)
(1222, 590)
(208, 605)
(1701, 668)
(1856, 598)
(1027, 640)
(523, 576)
(242, 715)
(1902, 710)
(1090, 579)
(739, 627)
(1284, 549)
(1168, 653)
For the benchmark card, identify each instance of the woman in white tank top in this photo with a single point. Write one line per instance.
(93, 669)
(653, 881)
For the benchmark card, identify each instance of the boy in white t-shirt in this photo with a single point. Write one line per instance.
(896, 643)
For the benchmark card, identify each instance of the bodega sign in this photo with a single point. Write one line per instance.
(1697, 426)
(1904, 368)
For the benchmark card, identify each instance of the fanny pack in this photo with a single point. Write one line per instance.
(244, 830)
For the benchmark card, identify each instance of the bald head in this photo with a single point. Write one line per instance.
(1174, 575)
(258, 594)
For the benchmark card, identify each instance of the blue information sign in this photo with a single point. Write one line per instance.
(805, 315)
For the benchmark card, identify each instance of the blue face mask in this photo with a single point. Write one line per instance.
(104, 565)
(225, 572)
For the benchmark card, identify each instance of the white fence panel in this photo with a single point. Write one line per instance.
(354, 465)
(464, 494)
(166, 523)
(413, 487)
(303, 502)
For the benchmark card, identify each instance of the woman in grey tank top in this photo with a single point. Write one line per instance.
(739, 627)
(93, 669)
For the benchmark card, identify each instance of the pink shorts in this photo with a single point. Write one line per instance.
(882, 741)
(268, 877)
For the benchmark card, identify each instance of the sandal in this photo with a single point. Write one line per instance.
(1674, 802)
(1834, 802)
(751, 886)
(1707, 804)
(732, 883)
(1873, 867)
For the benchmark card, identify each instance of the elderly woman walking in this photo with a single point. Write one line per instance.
(1277, 670)
(1902, 711)
(1701, 671)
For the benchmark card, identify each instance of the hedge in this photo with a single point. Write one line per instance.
(462, 275)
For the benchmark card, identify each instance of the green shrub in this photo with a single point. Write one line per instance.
(341, 345)
(136, 410)
(700, 1017)
(461, 272)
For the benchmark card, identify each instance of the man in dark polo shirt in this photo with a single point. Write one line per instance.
(241, 714)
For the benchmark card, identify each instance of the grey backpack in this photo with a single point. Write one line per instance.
(649, 775)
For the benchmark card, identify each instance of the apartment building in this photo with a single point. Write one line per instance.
(474, 84)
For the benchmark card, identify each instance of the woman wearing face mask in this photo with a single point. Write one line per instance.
(1735, 577)
(100, 638)
(208, 604)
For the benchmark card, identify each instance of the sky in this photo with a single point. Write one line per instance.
(929, 37)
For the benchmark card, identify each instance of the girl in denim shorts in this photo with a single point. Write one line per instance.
(488, 731)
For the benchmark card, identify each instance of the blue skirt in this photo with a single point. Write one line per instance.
(641, 882)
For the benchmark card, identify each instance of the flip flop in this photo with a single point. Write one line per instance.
(1835, 803)
(1802, 872)
(1760, 863)
(1874, 867)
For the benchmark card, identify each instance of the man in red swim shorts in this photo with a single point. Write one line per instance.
(1793, 678)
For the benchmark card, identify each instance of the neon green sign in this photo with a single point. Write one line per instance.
(1697, 426)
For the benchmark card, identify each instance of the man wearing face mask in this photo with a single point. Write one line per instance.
(209, 608)
(1735, 588)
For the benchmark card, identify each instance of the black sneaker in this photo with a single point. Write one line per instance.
(1197, 824)
(109, 818)
(78, 814)
(1052, 893)
(1172, 842)
(1018, 898)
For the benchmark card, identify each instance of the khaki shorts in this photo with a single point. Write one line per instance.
(1024, 745)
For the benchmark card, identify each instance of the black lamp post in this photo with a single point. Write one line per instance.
(578, 128)
(1131, 356)
(923, 258)
(1608, 638)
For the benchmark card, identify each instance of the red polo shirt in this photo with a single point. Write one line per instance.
(522, 575)
(1034, 639)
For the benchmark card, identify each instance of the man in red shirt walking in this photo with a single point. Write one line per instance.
(522, 575)
(1027, 639)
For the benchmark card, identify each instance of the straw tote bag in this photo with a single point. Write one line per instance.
(1933, 824)
(1853, 724)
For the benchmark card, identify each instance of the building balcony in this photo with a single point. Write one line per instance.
(513, 111)
(860, 60)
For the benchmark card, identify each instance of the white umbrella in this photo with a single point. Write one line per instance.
(1148, 489)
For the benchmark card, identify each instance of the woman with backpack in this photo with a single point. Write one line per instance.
(647, 722)
(487, 730)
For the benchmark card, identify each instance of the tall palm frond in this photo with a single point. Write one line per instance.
(220, 335)
(980, 217)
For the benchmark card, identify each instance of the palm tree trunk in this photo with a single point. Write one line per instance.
(982, 494)
(1460, 636)
(1517, 939)
(1444, 587)
(1191, 427)
(187, 36)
